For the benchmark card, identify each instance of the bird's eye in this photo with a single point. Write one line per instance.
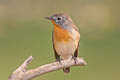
(59, 18)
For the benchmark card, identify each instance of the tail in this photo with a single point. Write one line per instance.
(66, 70)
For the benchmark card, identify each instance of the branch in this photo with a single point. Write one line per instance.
(23, 74)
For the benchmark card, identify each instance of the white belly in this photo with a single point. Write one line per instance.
(65, 50)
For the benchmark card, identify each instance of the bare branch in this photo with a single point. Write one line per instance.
(23, 74)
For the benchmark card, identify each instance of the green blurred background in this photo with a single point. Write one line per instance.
(24, 31)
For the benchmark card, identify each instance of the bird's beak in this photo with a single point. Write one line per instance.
(49, 18)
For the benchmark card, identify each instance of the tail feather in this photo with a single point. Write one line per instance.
(66, 70)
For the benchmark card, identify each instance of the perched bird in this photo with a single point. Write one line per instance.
(65, 38)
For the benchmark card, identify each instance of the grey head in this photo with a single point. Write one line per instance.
(62, 19)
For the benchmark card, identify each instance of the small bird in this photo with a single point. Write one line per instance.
(65, 38)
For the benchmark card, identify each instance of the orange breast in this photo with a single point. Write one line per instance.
(61, 34)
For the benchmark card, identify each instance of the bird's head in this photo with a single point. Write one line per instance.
(60, 19)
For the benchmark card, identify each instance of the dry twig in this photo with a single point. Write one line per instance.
(23, 74)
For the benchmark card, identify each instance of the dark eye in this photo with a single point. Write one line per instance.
(59, 18)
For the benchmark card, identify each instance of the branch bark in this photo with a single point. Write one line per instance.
(23, 74)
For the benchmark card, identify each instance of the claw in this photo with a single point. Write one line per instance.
(59, 60)
(74, 58)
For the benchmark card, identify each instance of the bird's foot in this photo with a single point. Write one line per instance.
(74, 58)
(59, 60)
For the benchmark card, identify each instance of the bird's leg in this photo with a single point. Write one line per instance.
(59, 60)
(74, 58)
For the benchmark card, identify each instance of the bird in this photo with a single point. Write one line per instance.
(65, 38)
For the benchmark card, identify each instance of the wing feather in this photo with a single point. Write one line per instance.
(57, 57)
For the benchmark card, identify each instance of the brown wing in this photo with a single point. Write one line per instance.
(57, 57)
(77, 51)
